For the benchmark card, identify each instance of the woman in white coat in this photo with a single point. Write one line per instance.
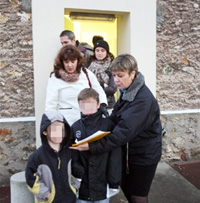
(66, 81)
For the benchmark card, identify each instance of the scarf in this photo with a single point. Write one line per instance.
(99, 69)
(134, 88)
(69, 77)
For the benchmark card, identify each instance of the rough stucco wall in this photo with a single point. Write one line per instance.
(182, 140)
(16, 65)
(17, 141)
(178, 54)
(178, 76)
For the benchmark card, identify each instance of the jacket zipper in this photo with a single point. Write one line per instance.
(59, 162)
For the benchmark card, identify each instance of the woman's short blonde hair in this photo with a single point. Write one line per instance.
(124, 62)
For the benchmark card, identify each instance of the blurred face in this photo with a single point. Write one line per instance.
(123, 79)
(70, 66)
(55, 132)
(89, 106)
(66, 41)
(100, 53)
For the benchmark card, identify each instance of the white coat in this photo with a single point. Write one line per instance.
(62, 96)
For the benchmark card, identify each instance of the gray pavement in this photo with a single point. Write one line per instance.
(168, 187)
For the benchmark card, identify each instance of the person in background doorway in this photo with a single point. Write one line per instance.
(67, 37)
(137, 129)
(102, 175)
(48, 168)
(96, 38)
(100, 66)
(68, 78)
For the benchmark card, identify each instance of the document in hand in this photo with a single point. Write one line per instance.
(96, 136)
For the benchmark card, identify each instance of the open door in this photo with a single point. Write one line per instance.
(86, 25)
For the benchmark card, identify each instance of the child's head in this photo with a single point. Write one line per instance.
(88, 100)
(55, 132)
(54, 129)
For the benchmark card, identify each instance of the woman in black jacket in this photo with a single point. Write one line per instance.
(138, 130)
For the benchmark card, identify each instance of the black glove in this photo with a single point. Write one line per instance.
(104, 110)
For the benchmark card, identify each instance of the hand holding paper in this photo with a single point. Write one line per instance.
(96, 136)
(83, 145)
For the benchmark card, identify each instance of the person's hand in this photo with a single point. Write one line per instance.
(104, 110)
(82, 147)
(47, 197)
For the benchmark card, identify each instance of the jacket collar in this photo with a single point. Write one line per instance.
(133, 89)
(93, 118)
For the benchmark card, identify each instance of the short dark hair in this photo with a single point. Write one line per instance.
(88, 93)
(68, 33)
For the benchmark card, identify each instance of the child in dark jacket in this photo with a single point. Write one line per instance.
(102, 172)
(48, 169)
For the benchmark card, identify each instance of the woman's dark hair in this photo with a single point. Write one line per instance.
(66, 53)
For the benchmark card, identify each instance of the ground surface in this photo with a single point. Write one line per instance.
(190, 170)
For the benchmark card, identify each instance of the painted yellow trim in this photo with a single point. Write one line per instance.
(36, 188)
(72, 187)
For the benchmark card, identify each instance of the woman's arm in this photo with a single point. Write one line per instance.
(130, 124)
(111, 88)
(51, 102)
(96, 85)
(82, 147)
(132, 121)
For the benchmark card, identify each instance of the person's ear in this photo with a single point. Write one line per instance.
(98, 105)
(74, 41)
(44, 132)
(132, 74)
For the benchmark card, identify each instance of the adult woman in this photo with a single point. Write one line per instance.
(67, 80)
(137, 130)
(99, 65)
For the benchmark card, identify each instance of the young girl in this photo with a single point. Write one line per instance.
(99, 65)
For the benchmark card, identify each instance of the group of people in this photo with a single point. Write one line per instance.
(80, 90)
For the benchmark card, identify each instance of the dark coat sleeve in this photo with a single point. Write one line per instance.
(31, 169)
(112, 88)
(114, 168)
(77, 167)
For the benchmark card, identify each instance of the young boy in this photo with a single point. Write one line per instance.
(47, 170)
(100, 170)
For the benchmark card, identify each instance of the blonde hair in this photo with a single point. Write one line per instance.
(124, 62)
